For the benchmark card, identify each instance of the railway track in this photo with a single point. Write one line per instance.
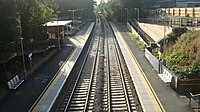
(103, 82)
(121, 96)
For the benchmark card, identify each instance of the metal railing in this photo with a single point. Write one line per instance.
(194, 101)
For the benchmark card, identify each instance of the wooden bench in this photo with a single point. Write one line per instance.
(166, 76)
(195, 98)
(14, 83)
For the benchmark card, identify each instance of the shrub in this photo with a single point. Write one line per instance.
(183, 58)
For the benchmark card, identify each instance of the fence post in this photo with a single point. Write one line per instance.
(193, 12)
(198, 104)
(190, 100)
(185, 12)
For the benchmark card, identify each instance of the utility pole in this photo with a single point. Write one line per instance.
(22, 47)
(72, 14)
(138, 17)
(58, 31)
(126, 15)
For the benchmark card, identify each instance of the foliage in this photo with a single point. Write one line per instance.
(86, 6)
(8, 24)
(116, 8)
(137, 40)
(183, 58)
(123, 28)
(31, 13)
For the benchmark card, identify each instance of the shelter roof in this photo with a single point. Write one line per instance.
(58, 23)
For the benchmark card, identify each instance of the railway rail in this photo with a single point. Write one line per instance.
(102, 83)
(121, 97)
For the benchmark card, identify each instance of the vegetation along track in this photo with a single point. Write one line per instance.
(103, 82)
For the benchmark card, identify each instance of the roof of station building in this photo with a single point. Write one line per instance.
(58, 23)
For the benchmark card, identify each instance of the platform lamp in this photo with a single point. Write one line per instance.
(72, 14)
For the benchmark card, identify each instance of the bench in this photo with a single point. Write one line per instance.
(166, 76)
(14, 83)
(195, 98)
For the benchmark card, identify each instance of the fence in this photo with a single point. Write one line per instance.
(183, 12)
(152, 59)
(134, 32)
(159, 67)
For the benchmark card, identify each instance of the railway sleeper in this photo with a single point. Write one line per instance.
(82, 93)
(72, 109)
(79, 96)
(119, 102)
(120, 109)
(116, 94)
(116, 90)
(72, 105)
(78, 101)
(118, 99)
(81, 90)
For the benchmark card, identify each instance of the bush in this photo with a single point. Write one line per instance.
(183, 58)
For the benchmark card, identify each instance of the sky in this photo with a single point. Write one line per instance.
(98, 1)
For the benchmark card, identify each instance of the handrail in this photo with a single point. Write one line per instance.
(195, 98)
(195, 95)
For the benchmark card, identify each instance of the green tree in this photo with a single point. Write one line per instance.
(32, 13)
(117, 8)
(87, 7)
(8, 20)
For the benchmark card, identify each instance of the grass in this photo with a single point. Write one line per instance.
(123, 28)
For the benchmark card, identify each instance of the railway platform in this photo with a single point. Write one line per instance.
(23, 98)
(47, 100)
(153, 93)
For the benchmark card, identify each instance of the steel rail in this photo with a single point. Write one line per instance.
(108, 72)
(79, 75)
(119, 64)
(121, 74)
(92, 74)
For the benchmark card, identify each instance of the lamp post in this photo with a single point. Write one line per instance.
(58, 31)
(81, 14)
(72, 14)
(22, 47)
(121, 16)
(164, 30)
(81, 10)
(126, 15)
(138, 12)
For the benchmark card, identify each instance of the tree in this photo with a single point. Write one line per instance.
(118, 8)
(87, 6)
(32, 14)
(8, 20)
